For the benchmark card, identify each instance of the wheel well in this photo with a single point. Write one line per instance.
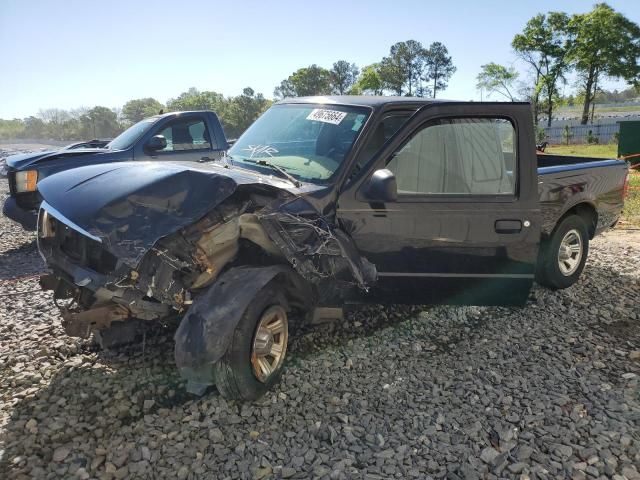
(589, 215)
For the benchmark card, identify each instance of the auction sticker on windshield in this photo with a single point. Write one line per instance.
(327, 116)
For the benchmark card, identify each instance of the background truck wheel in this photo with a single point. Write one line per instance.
(254, 360)
(563, 255)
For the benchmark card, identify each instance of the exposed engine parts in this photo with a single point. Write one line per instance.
(252, 229)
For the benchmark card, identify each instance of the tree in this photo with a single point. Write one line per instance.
(343, 76)
(54, 119)
(606, 43)
(135, 110)
(498, 79)
(369, 81)
(544, 44)
(34, 127)
(311, 80)
(99, 122)
(12, 128)
(438, 67)
(242, 111)
(193, 99)
(402, 70)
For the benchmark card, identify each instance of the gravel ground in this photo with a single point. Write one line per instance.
(548, 391)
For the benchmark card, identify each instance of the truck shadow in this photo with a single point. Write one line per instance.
(20, 261)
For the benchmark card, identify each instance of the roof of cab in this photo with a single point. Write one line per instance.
(360, 100)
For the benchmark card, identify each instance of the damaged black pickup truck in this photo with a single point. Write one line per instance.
(323, 202)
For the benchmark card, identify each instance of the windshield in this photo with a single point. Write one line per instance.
(131, 134)
(307, 141)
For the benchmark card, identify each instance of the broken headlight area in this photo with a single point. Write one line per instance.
(57, 238)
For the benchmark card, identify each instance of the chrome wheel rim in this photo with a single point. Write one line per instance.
(269, 343)
(570, 253)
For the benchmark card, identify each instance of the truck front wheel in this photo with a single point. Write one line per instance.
(563, 255)
(253, 363)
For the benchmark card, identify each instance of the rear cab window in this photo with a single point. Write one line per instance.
(186, 134)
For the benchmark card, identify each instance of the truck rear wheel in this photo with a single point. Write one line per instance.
(254, 361)
(563, 255)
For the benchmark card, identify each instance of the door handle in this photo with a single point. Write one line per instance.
(206, 159)
(508, 226)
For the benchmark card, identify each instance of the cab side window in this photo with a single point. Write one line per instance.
(186, 134)
(461, 156)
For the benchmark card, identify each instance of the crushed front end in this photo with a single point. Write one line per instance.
(86, 278)
(94, 288)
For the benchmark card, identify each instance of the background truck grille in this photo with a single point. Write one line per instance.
(11, 176)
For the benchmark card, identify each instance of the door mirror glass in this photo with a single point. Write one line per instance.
(157, 142)
(382, 186)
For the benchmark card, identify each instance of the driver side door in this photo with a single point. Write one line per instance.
(188, 139)
(464, 228)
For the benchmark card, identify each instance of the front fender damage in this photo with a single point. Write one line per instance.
(207, 328)
(208, 267)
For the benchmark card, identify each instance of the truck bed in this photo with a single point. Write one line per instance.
(565, 182)
(566, 162)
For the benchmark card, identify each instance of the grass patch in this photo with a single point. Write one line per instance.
(601, 111)
(632, 202)
(608, 150)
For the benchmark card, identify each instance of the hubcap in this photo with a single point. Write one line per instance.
(570, 253)
(269, 342)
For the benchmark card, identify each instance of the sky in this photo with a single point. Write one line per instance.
(70, 54)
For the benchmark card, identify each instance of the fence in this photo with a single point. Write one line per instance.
(594, 133)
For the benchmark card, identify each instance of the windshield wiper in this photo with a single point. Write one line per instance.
(275, 167)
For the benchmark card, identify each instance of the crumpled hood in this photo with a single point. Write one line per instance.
(130, 205)
(24, 160)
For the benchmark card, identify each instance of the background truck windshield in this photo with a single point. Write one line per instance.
(131, 134)
(308, 141)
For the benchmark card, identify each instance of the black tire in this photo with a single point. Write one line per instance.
(234, 372)
(548, 272)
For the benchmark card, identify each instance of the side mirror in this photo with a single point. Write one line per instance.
(157, 142)
(382, 186)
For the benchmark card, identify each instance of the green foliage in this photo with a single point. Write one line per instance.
(99, 122)
(343, 76)
(615, 96)
(541, 134)
(311, 80)
(584, 150)
(241, 111)
(591, 138)
(193, 99)
(135, 110)
(11, 128)
(567, 133)
(604, 43)
(438, 67)
(235, 113)
(495, 78)
(369, 82)
(402, 70)
(544, 45)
